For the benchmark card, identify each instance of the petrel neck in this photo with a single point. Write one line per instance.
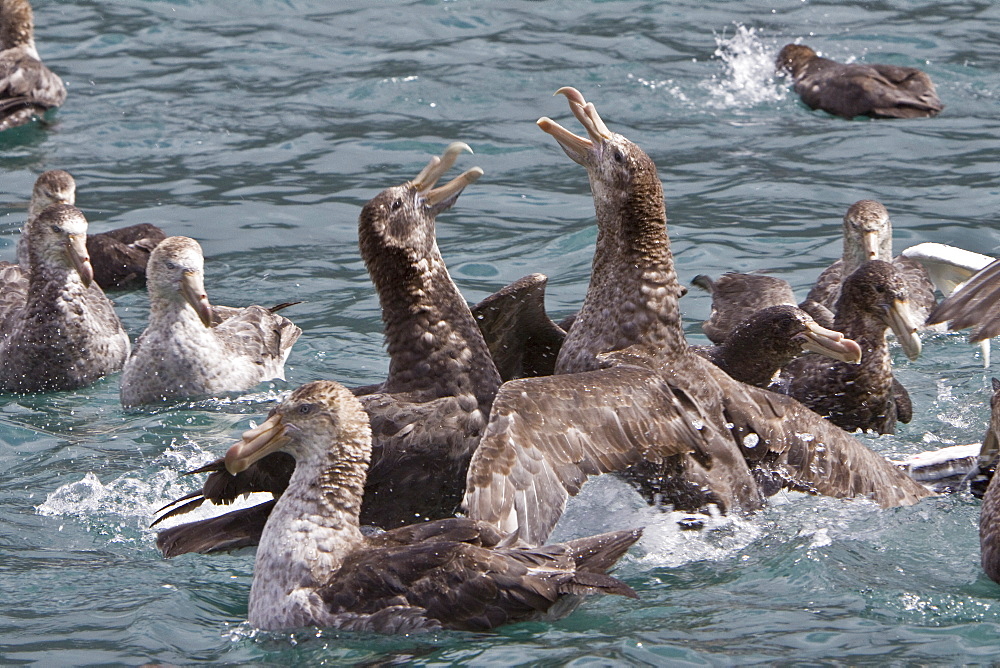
(633, 292)
(433, 340)
(17, 26)
(867, 329)
(309, 534)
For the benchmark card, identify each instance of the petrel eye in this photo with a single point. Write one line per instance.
(171, 265)
(619, 156)
(56, 229)
(305, 409)
(397, 204)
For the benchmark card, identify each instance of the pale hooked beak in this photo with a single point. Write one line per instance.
(575, 146)
(193, 291)
(256, 444)
(76, 248)
(870, 242)
(830, 343)
(897, 317)
(439, 199)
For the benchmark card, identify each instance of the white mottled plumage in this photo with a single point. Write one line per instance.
(52, 187)
(315, 567)
(868, 236)
(58, 330)
(193, 349)
(27, 87)
(118, 256)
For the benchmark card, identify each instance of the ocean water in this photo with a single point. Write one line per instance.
(260, 128)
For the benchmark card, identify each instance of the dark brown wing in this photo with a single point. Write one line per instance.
(230, 531)
(142, 235)
(903, 92)
(441, 583)
(806, 451)
(270, 474)
(420, 455)
(547, 435)
(522, 339)
(119, 256)
(976, 304)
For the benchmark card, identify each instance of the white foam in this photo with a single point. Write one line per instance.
(607, 503)
(748, 78)
(130, 502)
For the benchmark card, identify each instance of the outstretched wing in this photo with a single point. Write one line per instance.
(976, 304)
(804, 451)
(547, 435)
(522, 339)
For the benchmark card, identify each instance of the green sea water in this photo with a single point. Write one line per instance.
(260, 128)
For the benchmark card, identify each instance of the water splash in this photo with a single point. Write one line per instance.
(749, 78)
(607, 503)
(124, 507)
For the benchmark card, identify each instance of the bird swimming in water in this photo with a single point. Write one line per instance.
(58, 331)
(191, 349)
(118, 256)
(769, 339)
(314, 567)
(27, 87)
(629, 391)
(427, 416)
(861, 396)
(858, 89)
(868, 236)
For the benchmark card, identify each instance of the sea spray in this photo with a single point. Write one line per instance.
(124, 506)
(748, 78)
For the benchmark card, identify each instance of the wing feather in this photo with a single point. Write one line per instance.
(521, 475)
(976, 304)
(809, 452)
